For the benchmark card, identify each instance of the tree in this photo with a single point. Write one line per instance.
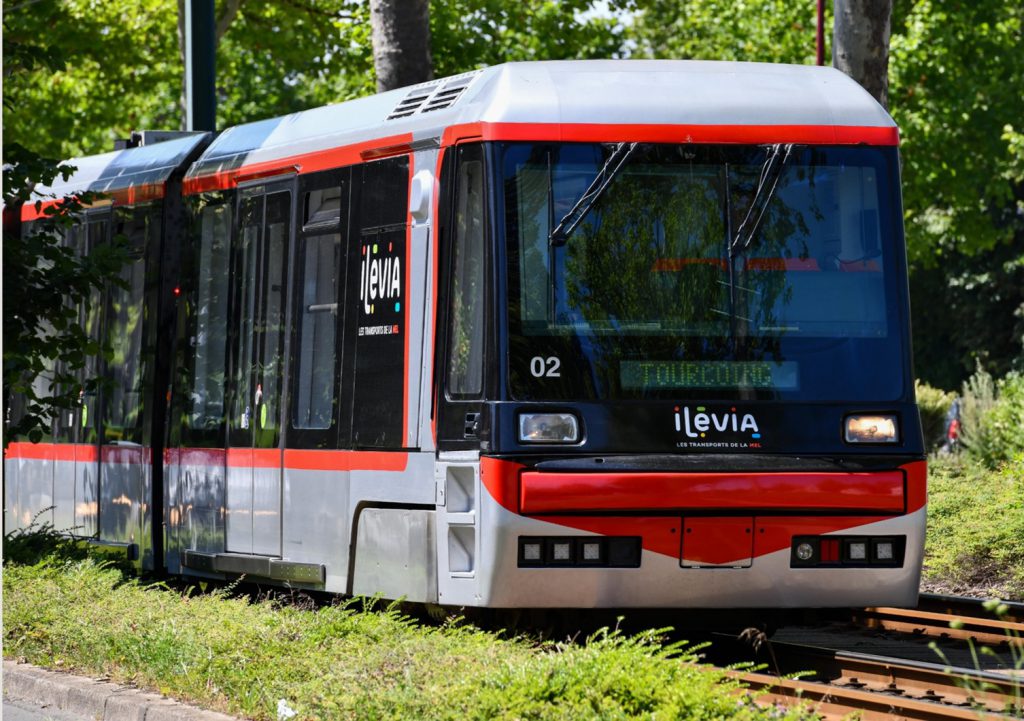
(273, 58)
(401, 42)
(772, 31)
(860, 44)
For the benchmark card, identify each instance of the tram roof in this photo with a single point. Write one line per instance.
(536, 97)
(144, 169)
(612, 99)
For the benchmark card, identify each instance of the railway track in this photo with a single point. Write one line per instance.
(950, 617)
(835, 682)
(885, 685)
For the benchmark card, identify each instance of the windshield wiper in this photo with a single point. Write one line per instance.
(767, 184)
(568, 224)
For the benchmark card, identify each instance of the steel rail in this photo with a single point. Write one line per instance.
(835, 702)
(992, 691)
(988, 631)
(965, 605)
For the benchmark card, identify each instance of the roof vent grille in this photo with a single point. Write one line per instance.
(428, 97)
(413, 101)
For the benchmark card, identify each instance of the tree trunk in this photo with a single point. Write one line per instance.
(401, 42)
(860, 44)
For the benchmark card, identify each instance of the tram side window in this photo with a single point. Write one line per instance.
(466, 333)
(98, 232)
(209, 340)
(318, 317)
(75, 239)
(126, 314)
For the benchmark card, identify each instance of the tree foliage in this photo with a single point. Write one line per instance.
(274, 57)
(771, 31)
(957, 93)
(85, 73)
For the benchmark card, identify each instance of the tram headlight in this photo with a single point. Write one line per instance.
(548, 428)
(804, 551)
(872, 429)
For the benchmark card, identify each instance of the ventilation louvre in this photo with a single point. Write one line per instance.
(429, 97)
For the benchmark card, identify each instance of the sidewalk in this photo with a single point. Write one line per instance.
(93, 699)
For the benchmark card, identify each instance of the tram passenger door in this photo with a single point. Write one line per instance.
(253, 523)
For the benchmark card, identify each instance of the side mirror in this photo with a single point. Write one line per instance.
(421, 194)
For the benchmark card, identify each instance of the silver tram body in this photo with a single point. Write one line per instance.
(295, 412)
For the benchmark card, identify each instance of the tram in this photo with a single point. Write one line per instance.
(550, 335)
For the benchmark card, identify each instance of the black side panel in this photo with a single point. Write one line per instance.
(377, 295)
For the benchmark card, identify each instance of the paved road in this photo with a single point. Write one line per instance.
(17, 710)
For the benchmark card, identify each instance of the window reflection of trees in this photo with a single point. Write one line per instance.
(209, 314)
(647, 273)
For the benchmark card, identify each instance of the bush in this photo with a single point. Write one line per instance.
(1002, 427)
(992, 418)
(933, 404)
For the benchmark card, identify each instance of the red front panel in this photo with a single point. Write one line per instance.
(560, 492)
(718, 541)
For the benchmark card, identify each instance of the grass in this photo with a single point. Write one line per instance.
(341, 661)
(975, 538)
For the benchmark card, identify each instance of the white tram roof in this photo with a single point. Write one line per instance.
(148, 166)
(530, 94)
(602, 92)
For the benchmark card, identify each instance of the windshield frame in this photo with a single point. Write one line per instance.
(890, 240)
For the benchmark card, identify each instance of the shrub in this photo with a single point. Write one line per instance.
(1002, 427)
(992, 418)
(977, 398)
(933, 404)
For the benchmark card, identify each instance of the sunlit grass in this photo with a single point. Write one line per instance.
(342, 661)
(975, 539)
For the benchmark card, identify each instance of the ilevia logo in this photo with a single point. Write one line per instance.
(716, 429)
(380, 288)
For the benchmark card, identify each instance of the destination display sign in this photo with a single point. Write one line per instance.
(709, 374)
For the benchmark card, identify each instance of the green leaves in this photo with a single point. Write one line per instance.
(957, 87)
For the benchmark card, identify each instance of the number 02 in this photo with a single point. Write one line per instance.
(541, 367)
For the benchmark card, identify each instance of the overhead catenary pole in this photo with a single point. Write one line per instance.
(200, 65)
(821, 32)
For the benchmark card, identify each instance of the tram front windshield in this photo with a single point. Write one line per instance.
(705, 272)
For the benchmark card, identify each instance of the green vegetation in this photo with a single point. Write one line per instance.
(933, 404)
(975, 539)
(994, 433)
(338, 661)
(991, 417)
